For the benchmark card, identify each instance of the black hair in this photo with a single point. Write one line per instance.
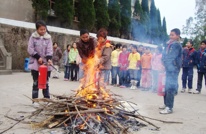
(68, 45)
(160, 49)
(40, 23)
(204, 41)
(191, 42)
(102, 33)
(83, 31)
(124, 46)
(176, 31)
(118, 45)
(140, 45)
(134, 46)
(147, 48)
(55, 43)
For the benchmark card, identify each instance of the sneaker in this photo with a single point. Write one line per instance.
(133, 87)
(190, 91)
(196, 92)
(167, 110)
(162, 107)
(35, 105)
(183, 90)
(122, 86)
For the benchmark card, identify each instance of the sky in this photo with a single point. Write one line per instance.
(176, 12)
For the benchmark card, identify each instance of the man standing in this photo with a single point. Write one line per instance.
(189, 60)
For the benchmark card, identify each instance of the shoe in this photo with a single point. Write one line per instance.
(167, 110)
(196, 92)
(190, 91)
(35, 105)
(162, 107)
(122, 86)
(183, 90)
(66, 79)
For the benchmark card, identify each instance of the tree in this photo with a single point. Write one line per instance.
(184, 42)
(164, 31)
(64, 10)
(159, 28)
(145, 6)
(102, 16)
(86, 14)
(154, 24)
(114, 14)
(125, 18)
(41, 8)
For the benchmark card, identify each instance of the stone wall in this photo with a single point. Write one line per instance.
(16, 39)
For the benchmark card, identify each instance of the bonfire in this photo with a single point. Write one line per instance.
(91, 109)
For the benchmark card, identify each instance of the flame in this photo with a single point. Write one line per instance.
(98, 118)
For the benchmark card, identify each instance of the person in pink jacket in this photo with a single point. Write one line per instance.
(40, 50)
(123, 64)
(157, 67)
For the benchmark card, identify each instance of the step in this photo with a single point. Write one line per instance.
(5, 72)
(2, 67)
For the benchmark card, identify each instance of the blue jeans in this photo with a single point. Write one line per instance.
(115, 72)
(155, 76)
(104, 78)
(139, 75)
(123, 77)
(81, 71)
(187, 75)
(66, 72)
(133, 74)
(170, 88)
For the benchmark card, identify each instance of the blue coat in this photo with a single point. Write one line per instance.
(172, 57)
(201, 61)
(189, 57)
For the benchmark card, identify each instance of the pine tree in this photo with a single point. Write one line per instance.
(145, 6)
(125, 18)
(102, 16)
(159, 27)
(64, 10)
(184, 42)
(164, 30)
(114, 15)
(86, 14)
(41, 8)
(153, 22)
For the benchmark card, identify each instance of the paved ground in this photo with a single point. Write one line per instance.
(189, 108)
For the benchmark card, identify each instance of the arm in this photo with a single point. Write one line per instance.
(49, 50)
(31, 49)
(106, 55)
(60, 53)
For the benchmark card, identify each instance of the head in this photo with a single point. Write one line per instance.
(68, 47)
(118, 46)
(84, 35)
(41, 27)
(159, 50)
(134, 49)
(140, 48)
(124, 48)
(147, 50)
(203, 44)
(74, 45)
(190, 44)
(175, 34)
(55, 45)
(102, 35)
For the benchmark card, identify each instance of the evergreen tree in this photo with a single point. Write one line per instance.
(41, 8)
(102, 16)
(125, 18)
(164, 30)
(64, 10)
(114, 15)
(86, 14)
(145, 6)
(153, 22)
(184, 42)
(159, 28)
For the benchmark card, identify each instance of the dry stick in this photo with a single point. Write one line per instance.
(84, 119)
(65, 121)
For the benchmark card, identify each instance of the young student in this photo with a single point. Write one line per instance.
(157, 67)
(189, 61)
(104, 57)
(139, 72)
(66, 63)
(115, 66)
(146, 69)
(134, 63)
(123, 64)
(172, 61)
(40, 51)
(57, 55)
(201, 66)
(72, 60)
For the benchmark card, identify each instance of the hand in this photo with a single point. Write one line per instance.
(40, 61)
(49, 62)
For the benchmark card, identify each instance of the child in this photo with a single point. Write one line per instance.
(134, 61)
(115, 66)
(189, 61)
(146, 69)
(72, 60)
(57, 55)
(139, 72)
(66, 63)
(123, 64)
(172, 61)
(157, 67)
(40, 51)
(201, 66)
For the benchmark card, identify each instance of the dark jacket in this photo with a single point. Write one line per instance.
(86, 49)
(189, 57)
(57, 55)
(201, 61)
(172, 57)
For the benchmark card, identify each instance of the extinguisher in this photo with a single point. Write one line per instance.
(161, 84)
(42, 79)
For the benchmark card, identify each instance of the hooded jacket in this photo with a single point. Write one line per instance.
(39, 47)
(201, 61)
(189, 57)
